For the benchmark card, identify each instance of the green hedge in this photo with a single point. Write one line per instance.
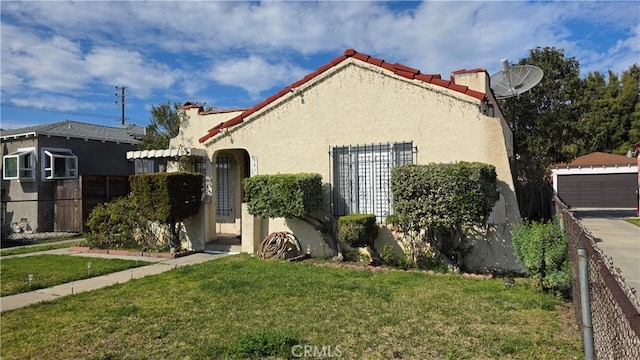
(444, 196)
(167, 197)
(358, 230)
(543, 250)
(283, 195)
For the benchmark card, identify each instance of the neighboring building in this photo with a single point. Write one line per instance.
(597, 180)
(47, 170)
(351, 121)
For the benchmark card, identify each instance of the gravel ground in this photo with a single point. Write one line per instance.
(39, 236)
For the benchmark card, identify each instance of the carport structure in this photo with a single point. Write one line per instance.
(597, 180)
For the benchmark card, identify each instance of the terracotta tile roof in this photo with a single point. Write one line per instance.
(398, 69)
(599, 159)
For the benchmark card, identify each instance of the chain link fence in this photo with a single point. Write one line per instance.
(615, 308)
(40, 216)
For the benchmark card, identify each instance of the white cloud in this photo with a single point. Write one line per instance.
(52, 102)
(160, 47)
(254, 74)
(40, 63)
(36, 62)
(129, 68)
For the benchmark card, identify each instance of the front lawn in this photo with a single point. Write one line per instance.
(634, 221)
(50, 270)
(239, 307)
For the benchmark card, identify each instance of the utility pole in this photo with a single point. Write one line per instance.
(122, 103)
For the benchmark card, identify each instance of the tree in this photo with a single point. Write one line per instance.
(543, 122)
(611, 118)
(164, 124)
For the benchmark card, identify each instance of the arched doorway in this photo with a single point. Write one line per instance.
(230, 168)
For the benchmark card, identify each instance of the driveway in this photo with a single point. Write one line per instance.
(617, 238)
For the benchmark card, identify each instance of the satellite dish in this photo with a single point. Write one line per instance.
(514, 80)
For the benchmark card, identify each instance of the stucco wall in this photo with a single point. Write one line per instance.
(357, 103)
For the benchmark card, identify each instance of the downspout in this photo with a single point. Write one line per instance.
(587, 329)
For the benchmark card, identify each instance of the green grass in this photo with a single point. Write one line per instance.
(239, 307)
(50, 270)
(31, 249)
(634, 221)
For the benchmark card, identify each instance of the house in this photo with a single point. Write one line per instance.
(351, 121)
(597, 180)
(53, 174)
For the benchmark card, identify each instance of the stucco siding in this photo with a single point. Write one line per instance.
(197, 123)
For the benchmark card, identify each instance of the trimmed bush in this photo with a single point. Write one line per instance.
(441, 203)
(358, 230)
(283, 195)
(543, 250)
(168, 197)
(444, 196)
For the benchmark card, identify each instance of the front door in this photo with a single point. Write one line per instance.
(225, 209)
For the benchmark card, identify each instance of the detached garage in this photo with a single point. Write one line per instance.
(597, 180)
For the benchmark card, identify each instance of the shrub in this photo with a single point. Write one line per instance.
(358, 230)
(291, 196)
(115, 224)
(283, 195)
(543, 251)
(168, 197)
(440, 203)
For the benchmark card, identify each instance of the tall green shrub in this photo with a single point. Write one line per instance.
(283, 195)
(168, 197)
(543, 250)
(441, 203)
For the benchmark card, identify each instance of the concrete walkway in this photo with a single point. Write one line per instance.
(159, 265)
(617, 238)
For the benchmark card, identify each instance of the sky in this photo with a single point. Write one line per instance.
(63, 60)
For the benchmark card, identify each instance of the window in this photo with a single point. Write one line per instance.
(362, 177)
(59, 164)
(144, 166)
(19, 165)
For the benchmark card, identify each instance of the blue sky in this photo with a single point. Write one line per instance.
(62, 60)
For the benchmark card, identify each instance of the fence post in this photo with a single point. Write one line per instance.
(587, 329)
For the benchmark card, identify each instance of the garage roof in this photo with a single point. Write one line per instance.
(599, 159)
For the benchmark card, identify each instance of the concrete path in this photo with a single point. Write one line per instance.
(158, 266)
(617, 238)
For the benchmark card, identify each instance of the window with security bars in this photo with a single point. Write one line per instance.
(223, 173)
(362, 177)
